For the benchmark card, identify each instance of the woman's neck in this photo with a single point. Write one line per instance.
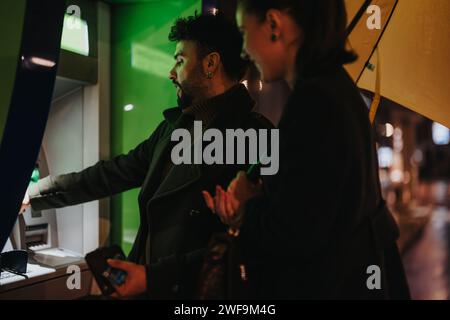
(290, 75)
(293, 46)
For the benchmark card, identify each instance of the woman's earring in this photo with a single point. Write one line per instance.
(273, 37)
(209, 75)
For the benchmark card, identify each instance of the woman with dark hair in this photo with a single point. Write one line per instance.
(319, 228)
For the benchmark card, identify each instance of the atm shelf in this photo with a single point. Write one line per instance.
(51, 285)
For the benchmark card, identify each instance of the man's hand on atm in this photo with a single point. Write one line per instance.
(25, 203)
(135, 282)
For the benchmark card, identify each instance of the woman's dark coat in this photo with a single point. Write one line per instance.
(322, 222)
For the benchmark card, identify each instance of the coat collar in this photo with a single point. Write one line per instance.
(231, 113)
(232, 105)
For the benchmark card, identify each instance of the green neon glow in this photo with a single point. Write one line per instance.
(75, 36)
(12, 14)
(142, 57)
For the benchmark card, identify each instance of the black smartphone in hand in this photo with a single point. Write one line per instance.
(105, 275)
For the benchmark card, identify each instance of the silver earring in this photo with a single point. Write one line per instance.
(209, 75)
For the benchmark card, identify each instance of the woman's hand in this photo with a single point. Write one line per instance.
(229, 205)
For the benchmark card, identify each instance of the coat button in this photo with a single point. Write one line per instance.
(193, 212)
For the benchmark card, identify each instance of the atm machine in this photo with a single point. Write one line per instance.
(77, 132)
(57, 239)
(76, 136)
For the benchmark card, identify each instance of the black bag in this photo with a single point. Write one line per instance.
(224, 274)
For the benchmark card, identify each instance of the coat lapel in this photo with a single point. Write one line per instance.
(179, 176)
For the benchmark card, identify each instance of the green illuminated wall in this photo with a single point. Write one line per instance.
(141, 60)
(11, 24)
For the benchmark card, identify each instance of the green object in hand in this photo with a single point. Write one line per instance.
(35, 176)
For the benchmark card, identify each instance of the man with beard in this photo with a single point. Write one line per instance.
(175, 224)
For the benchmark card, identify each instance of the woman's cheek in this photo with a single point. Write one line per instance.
(250, 49)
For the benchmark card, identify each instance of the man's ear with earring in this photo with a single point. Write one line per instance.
(209, 74)
(212, 64)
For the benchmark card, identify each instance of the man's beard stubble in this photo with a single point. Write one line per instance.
(192, 89)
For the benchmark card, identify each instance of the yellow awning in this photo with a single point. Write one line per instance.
(414, 54)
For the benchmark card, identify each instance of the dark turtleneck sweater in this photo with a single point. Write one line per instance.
(207, 110)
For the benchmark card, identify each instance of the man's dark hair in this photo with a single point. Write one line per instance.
(323, 23)
(213, 33)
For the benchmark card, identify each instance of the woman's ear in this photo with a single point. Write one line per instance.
(274, 19)
(211, 64)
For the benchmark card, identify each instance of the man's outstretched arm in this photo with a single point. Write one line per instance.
(103, 179)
